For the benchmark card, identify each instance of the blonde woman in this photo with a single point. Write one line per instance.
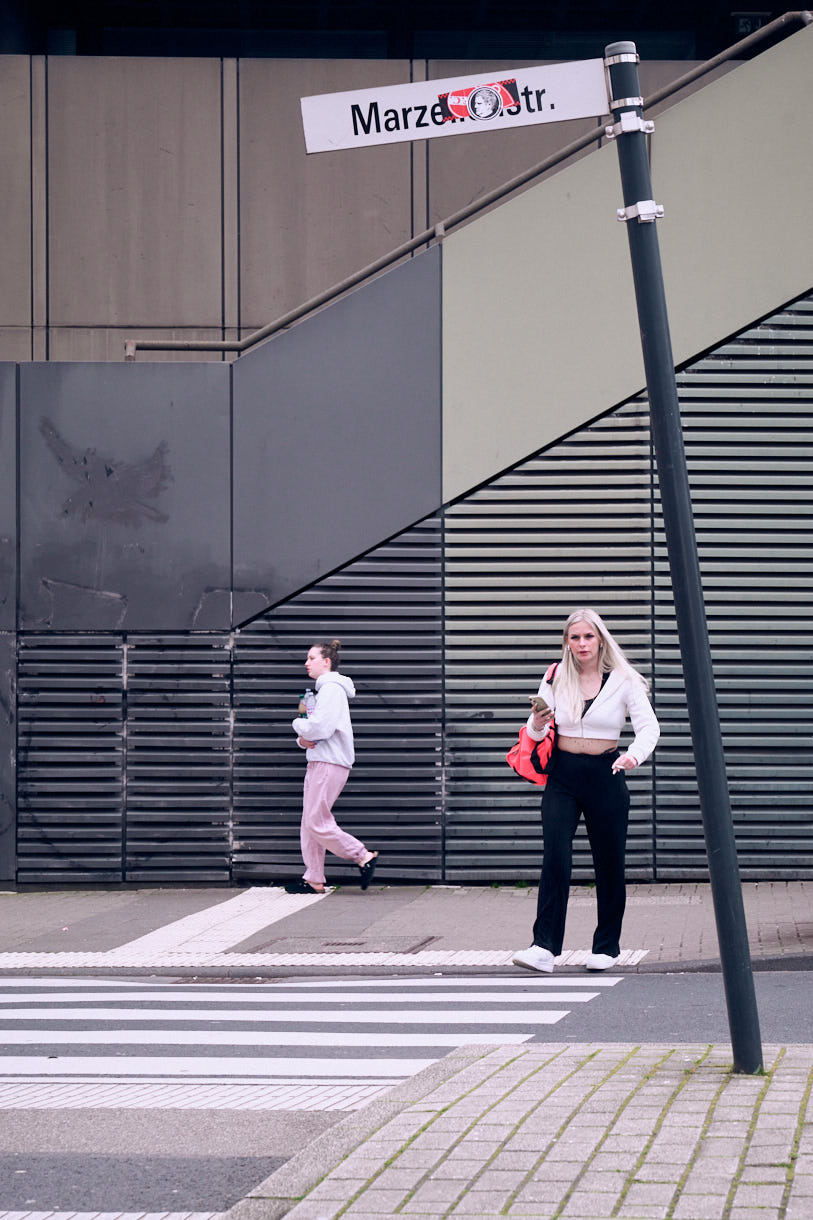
(591, 695)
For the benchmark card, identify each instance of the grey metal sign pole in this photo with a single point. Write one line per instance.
(640, 211)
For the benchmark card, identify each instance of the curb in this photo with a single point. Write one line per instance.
(284, 1188)
(793, 962)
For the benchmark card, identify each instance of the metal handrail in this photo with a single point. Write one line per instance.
(437, 232)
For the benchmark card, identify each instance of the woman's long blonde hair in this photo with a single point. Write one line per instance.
(610, 656)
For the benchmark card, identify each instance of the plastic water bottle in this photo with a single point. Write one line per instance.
(309, 700)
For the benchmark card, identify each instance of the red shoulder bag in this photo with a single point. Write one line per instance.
(531, 759)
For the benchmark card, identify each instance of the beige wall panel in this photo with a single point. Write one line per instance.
(732, 167)
(656, 73)
(39, 203)
(307, 222)
(134, 191)
(539, 326)
(39, 343)
(107, 344)
(419, 152)
(15, 343)
(231, 196)
(15, 191)
(462, 168)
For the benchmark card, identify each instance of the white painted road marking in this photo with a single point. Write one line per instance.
(226, 923)
(284, 995)
(356, 1016)
(232, 1037)
(169, 959)
(284, 1040)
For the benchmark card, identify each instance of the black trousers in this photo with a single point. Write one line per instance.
(583, 784)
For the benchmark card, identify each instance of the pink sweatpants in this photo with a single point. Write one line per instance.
(319, 830)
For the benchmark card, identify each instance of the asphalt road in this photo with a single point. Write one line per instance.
(691, 1008)
(75, 1155)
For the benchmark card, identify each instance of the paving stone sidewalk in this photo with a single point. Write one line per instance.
(411, 928)
(581, 1132)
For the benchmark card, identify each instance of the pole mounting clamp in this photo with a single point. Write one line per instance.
(617, 102)
(628, 57)
(645, 211)
(627, 122)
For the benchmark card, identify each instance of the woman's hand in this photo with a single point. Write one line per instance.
(541, 719)
(306, 745)
(625, 762)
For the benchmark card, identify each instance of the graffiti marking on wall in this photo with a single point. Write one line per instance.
(110, 490)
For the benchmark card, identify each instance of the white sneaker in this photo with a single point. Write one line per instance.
(535, 958)
(599, 961)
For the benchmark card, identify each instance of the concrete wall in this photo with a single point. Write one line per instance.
(173, 198)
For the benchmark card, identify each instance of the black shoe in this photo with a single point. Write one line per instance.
(367, 870)
(301, 887)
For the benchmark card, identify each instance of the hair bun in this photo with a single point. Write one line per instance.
(335, 643)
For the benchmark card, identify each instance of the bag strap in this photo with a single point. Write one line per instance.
(550, 674)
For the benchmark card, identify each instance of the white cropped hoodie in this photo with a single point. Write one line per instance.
(329, 723)
(619, 697)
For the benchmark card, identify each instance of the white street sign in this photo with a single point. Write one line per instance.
(512, 98)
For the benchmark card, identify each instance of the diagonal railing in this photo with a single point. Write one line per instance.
(438, 231)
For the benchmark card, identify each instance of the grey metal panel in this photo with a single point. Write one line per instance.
(178, 731)
(8, 756)
(125, 506)
(749, 448)
(70, 758)
(337, 432)
(8, 497)
(386, 608)
(568, 528)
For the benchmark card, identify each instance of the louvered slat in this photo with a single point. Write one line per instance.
(70, 759)
(568, 528)
(749, 448)
(386, 609)
(447, 629)
(178, 758)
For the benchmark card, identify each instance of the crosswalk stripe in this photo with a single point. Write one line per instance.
(226, 923)
(29, 1215)
(196, 1065)
(526, 980)
(304, 1044)
(35, 1094)
(536, 982)
(277, 996)
(216, 1037)
(167, 959)
(382, 1016)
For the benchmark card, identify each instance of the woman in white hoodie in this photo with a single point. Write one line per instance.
(326, 734)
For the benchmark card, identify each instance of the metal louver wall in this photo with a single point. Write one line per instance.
(749, 445)
(170, 758)
(386, 609)
(568, 528)
(70, 751)
(178, 758)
